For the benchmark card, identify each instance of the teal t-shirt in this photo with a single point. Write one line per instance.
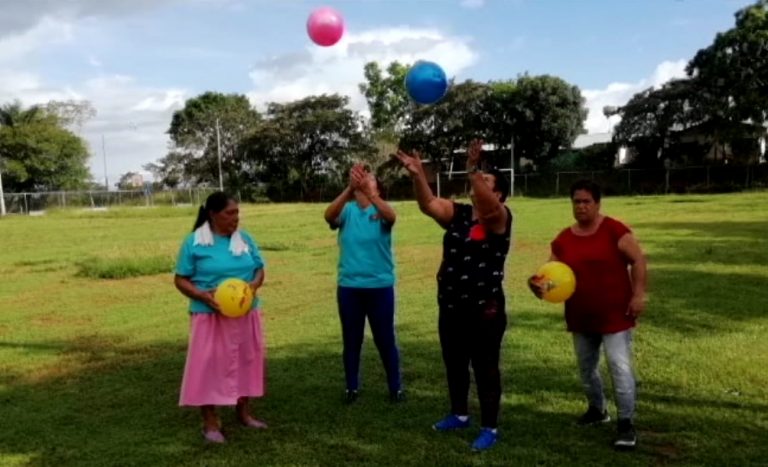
(208, 266)
(365, 248)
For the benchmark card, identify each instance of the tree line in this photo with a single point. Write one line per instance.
(302, 149)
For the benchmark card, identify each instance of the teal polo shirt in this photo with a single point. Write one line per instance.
(208, 266)
(365, 248)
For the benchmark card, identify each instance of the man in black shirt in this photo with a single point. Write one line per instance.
(472, 317)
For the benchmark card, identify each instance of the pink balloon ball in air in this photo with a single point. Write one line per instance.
(325, 26)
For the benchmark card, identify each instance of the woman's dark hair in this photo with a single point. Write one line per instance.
(589, 186)
(500, 184)
(216, 202)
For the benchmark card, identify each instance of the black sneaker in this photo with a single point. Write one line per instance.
(627, 437)
(396, 397)
(350, 396)
(593, 416)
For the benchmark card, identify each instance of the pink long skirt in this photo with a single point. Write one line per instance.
(225, 359)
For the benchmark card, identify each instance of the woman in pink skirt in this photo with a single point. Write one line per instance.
(225, 358)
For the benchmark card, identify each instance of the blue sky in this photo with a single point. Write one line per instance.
(138, 60)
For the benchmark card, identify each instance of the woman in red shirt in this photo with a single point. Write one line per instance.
(610, 271)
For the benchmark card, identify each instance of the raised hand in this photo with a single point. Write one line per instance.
(361, 180)
(354, 176)
(474, 152)
(411, 162)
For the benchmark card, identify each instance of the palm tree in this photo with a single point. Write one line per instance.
(15, 114)
(12, 115)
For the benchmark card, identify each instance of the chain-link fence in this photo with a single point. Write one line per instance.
(704, 179)
(711, 179)
(26, 203)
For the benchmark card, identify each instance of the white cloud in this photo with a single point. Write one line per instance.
(472, 3)
(159, 103)
(17, 47)
(13, 83)
(19, 16)
(617, 94)
(94, 61)
(131, 118)
(318, 70)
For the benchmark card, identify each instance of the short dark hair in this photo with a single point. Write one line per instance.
(587, 185)
(500, 184)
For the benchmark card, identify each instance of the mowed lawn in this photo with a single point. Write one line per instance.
(90, 368)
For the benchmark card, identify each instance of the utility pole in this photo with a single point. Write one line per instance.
(2, 198)
(104, 153)
(218, 152)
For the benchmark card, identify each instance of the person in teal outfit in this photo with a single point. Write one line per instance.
(366, 278)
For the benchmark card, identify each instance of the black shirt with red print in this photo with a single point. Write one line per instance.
(472, 270)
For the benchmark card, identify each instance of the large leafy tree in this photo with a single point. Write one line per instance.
(726, 88)
(650, 117)
(735, 66)
(540, 115)
(447, 126)
(501, 107)
(302, 147)
(548, 115)
(390, 109)
(37, 153)
(193, 131)
(388, 101)
(71, 114)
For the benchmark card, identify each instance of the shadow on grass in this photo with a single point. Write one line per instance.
(119, 408)
(692, 302)
(748, 229)
(727, 242)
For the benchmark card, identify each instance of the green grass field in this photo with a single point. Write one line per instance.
(90, 368)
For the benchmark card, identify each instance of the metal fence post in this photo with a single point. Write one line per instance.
(746, 182)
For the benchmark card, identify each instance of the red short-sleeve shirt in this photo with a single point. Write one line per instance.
(603, 287)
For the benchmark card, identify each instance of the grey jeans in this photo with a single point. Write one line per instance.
(618, 352)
